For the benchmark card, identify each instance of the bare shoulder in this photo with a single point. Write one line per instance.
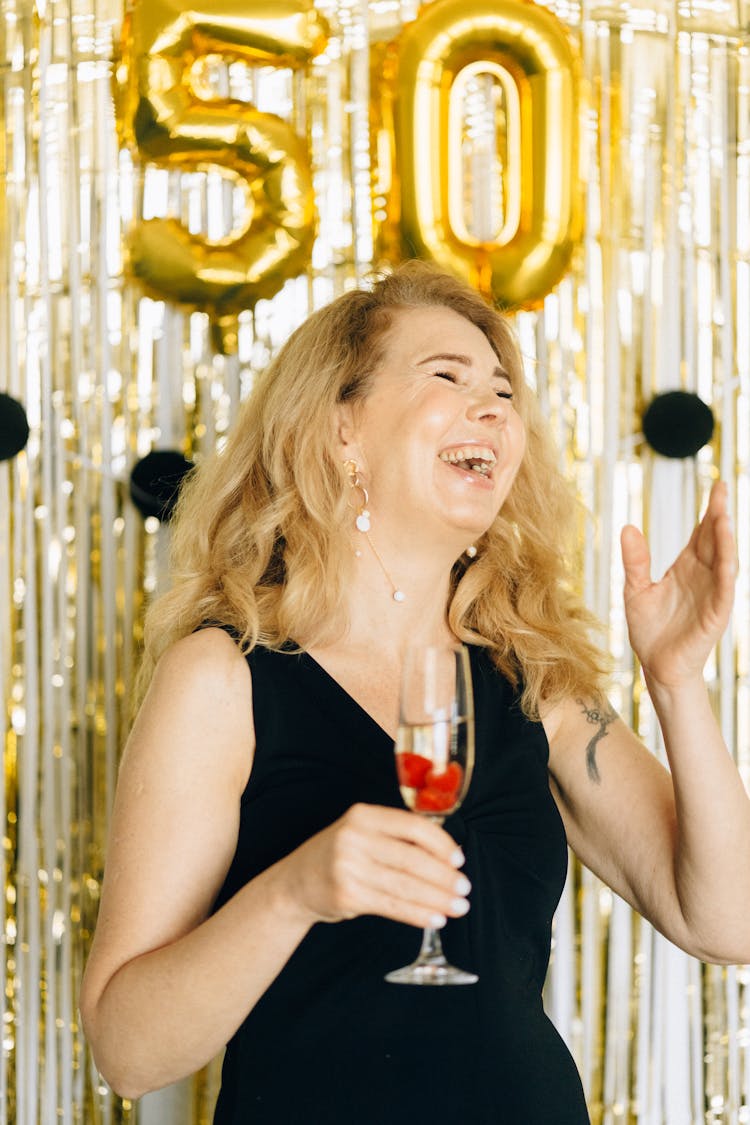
(199, 701)
(205, 661)
(557, 719)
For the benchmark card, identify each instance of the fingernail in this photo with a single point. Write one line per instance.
(437, 921)
(458, 858)
(459, 906)
(462, 886)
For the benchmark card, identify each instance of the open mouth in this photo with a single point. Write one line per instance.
(474, 459)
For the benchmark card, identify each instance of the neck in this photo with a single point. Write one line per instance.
(378, 619)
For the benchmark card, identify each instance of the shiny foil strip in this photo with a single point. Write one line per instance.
(656, 297)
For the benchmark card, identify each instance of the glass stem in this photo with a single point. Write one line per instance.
(431, 952)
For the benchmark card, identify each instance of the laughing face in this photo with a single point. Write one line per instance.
(437, 437)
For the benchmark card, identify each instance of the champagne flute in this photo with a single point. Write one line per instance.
(434, 759)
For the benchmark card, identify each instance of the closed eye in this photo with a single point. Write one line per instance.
(453, 378)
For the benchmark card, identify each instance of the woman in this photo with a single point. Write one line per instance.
(263, 874)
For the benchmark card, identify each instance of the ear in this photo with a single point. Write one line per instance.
(345, 432)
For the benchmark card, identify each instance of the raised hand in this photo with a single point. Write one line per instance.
(673, 624)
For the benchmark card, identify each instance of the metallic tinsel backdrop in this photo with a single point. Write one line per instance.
(658, 297)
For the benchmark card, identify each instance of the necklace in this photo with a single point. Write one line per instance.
(397, 594)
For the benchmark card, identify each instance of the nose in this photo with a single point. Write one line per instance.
(485, 406)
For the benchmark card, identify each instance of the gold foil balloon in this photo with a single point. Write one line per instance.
(517, 60)
(166, 116)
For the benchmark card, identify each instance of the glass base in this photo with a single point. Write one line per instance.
(431, 972)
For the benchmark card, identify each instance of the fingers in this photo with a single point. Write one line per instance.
(404, 825)
(405, 896)
(726, 548)
(718, 498)
(714, 544)
(408, 909)
(724, 566)
(411, 879)
(718, 510)
(704, 536)
(717, 506)
(407, 866)
(711, 542)
(377, 860)
(636, 559)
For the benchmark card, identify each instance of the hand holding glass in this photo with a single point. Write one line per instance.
(434, 760)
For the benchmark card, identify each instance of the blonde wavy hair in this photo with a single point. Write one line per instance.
(257, 541)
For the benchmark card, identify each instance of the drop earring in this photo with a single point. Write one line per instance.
(362, 518)
(471, 551)
(363, 524)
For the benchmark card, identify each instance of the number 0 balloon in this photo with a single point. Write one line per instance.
(526, 52)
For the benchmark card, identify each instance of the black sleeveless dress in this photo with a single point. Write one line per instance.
(329, 1042)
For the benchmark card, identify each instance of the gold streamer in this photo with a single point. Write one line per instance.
(657, 296)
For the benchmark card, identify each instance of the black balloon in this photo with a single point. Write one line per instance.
(155, 481)
(677, 424)
(14, 427)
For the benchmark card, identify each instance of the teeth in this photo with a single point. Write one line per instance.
(478, 459)
(469, 453)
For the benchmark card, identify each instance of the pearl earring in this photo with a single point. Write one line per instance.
(362, 518)
(363, 524)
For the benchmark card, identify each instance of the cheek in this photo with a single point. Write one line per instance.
(518, 429)
(521, 440)
(436, 396)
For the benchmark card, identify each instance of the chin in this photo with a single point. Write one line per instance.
(469, 533)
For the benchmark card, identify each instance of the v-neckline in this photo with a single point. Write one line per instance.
(355, 702)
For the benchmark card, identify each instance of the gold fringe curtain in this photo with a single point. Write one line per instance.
(658, 297)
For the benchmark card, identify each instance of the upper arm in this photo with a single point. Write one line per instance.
(176, 813)
(617, 804)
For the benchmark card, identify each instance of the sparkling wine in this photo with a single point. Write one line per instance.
(434, 763)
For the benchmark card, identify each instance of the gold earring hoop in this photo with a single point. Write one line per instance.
(362, 518)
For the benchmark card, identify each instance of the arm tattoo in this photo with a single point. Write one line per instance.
(600, 716)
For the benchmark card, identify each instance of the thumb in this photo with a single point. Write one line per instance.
(636, 560)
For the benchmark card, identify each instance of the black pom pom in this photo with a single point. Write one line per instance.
(677, 424)
(155, 481)
(14, 427)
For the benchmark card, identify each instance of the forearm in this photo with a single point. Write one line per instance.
(711, 868)
(164, 1014)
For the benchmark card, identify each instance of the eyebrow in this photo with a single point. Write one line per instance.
(465, 361)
